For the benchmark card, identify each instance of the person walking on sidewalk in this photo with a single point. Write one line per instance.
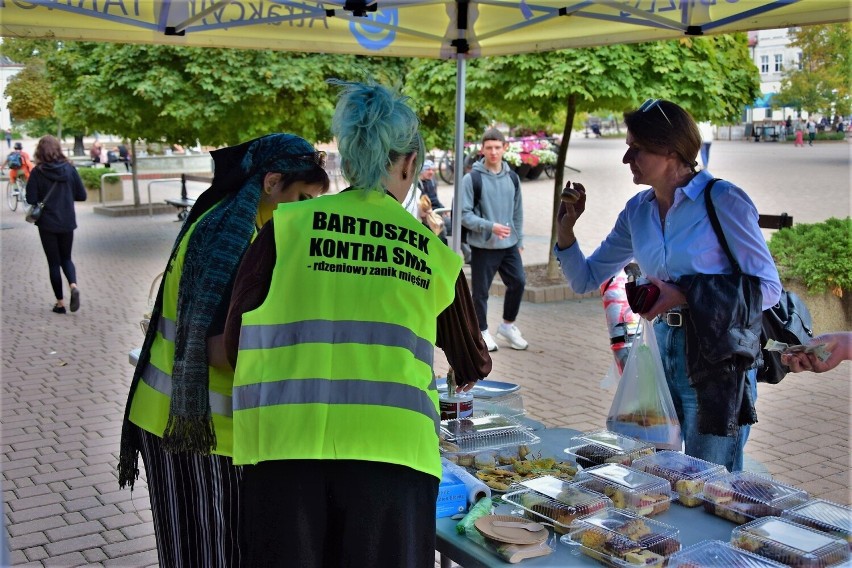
(493, 213)
(179, 411)
(811, 126)
(706, 129)
(800, 134)
(56, 183)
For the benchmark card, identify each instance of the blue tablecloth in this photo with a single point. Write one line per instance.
(695, 525)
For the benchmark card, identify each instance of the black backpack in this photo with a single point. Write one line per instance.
(476, 181)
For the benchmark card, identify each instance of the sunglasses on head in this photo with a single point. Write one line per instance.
(655, 103)
(317, 158)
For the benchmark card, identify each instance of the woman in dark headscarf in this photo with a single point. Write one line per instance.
(178, 413)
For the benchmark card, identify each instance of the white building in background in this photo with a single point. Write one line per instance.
(8, 69)
(772, 54)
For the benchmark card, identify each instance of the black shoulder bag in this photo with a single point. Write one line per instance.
(34, 212)
(788, 321)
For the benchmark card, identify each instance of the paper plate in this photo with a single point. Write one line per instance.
(510, 535)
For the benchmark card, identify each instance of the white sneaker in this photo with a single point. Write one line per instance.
(513, 335)
(489, 341)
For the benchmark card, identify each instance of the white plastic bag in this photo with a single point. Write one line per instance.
(610, 380)
(643, 407)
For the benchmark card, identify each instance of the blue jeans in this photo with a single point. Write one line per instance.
(705, 154)
(727, 451)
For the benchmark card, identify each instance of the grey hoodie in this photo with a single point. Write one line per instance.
(499, 203)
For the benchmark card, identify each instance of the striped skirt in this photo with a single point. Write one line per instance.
(195, 504)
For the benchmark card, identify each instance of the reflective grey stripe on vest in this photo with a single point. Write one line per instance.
(326, 331)
(162, 382)
(167, 328)
(339, 391)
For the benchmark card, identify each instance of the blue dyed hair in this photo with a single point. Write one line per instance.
(374, 127)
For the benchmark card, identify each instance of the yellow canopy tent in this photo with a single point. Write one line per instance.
(406, 28)
(450, 29)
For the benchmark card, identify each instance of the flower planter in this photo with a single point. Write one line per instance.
(535, 172)
(112, 192)
(523, 170)
(829, 312)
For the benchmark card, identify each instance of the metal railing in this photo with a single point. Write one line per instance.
(150, 183)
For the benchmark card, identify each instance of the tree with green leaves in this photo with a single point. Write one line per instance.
(822, 84)
(208, 95)
(712, 77)
(29, 93)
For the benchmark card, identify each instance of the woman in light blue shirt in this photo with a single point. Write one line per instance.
(667, 231)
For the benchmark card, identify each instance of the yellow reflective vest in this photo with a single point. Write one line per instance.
(336, 363)
(150, 407)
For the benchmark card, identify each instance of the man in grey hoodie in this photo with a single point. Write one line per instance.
(495, 222)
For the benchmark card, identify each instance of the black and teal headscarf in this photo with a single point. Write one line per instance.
(212, 257)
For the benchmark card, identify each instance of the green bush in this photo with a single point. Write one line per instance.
(92, 177)
(817, 254)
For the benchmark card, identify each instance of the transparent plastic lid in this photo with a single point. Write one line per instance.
(604, 446)
(626, 477)
(751, 495)
(674, 466)
(480, 433)
(629, 488)
(685, 474)
(556, 501)
(718, 553)
(823, 515)
(790, 543)
(621, 538)
(511, 404)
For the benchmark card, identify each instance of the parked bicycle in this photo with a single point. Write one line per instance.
(16, 191)
(446, 165)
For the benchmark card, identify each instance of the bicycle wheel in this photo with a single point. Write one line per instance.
(12, 196)
(22, 191)
(446, 169)
(550, 170)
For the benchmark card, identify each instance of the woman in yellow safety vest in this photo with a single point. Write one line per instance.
(179, 411)
(335, 404)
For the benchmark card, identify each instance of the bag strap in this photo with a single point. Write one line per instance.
(717, 227)
(49, 193)
(476, 182)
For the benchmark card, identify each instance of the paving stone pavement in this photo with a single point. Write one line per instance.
(65, 378)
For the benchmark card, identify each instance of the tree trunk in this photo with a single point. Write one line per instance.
(553, 270)
(79, 149)
(136, 200)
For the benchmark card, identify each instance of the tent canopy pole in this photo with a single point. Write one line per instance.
(458, 171)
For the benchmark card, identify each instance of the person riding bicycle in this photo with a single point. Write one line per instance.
(18, 161)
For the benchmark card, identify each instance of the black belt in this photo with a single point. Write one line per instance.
(674, 317)
(621, 339)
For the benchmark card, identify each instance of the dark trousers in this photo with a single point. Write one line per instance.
(336, 513)
(194, 506)
(484, 264)
(57, 249)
